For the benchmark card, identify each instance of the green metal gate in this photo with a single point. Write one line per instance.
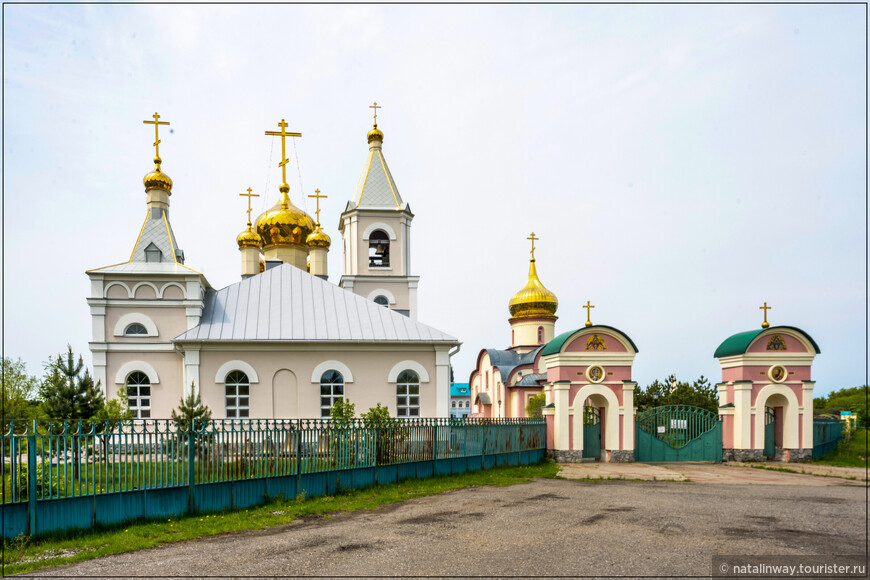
(678, 433)
(769, 432)
(592, 432)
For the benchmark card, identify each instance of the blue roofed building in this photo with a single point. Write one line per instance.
(460, 400)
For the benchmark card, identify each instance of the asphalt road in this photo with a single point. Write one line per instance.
(546, 527)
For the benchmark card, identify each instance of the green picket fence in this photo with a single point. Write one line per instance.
(59, 470)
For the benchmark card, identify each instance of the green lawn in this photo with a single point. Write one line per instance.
(23, 554)
(852, 453)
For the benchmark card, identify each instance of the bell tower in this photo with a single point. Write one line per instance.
(376, 234)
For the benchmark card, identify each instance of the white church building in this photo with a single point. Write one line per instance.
(283, 342)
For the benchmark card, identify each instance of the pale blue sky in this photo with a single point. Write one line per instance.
(681, 164)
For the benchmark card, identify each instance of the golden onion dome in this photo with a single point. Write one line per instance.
(249, 238)
(318, 238)
(533, 300)
(157, 179)
(375, 134)
(284, 224)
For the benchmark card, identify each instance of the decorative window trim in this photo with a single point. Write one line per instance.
(589, 374)
(110, 285)
(136, 365)
(408, 365)
(382, 292)
(240, 411)
(170, 285)
(139, 285)
(772, 370)
(391, 233)
(131, 318)
(236, 365)
(331, 365)
(136, 401)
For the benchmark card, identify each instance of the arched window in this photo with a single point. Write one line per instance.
(408, 394)
(238, 389)
(382, 300)
(540, 335)
(453, 404)
(135, 329)
(331, 390)
(379, 249)
(139, 394)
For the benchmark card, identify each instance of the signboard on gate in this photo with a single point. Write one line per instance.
(679, 423)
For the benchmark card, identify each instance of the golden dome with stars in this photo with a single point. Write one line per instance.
(284, 224)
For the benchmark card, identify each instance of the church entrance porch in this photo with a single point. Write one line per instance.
(678, 433)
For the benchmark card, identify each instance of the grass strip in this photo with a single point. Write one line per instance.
(24, 554)
(849, 453)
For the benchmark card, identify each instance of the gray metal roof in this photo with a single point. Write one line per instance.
(507, 360)
(530, 380)
(286, 304)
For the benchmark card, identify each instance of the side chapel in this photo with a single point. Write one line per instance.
(284, 341)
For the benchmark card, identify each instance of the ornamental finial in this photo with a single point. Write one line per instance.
(765, 324)
(249, 195)
(588, 306)
(318, 197)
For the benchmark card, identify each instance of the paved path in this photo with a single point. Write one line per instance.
(718, 473)
(546, 527)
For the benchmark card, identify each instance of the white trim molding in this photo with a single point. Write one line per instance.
(236, 365)
(150, 285)
(132, 318)
(331, 365)
(170, 285)
(109, 286)
(382, 292)
(790, 424)
(136, 365)
(408, 365)
(379, 226)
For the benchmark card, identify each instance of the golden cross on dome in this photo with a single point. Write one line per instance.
(375, 107)
(533, 238)
(283, 134)
(318, 197)
(156, 124)
(249, 195)
(765, 324)
(588, 306)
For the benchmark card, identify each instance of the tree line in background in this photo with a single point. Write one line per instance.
(853, 399)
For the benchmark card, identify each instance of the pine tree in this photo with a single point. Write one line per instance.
(68, 392)
(191, 411)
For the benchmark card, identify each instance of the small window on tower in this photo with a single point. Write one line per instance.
(540, 335)
(382, 300)
(153, 253)
(379, 249)
(135, 329)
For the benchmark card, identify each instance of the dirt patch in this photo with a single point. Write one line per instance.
(543, 496)
(620, 509)
(593, 519)
(355, 547)
(435, 518)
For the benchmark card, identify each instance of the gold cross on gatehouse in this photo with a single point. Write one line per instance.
(765, 324)
(318, 197)
(533, 238)
(283, 134)
(588, 306)
(375, 107)
(249, 195)
(156, 124)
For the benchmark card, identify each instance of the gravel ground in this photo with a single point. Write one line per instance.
(546, 527)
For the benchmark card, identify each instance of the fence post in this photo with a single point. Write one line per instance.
(191, 471)
(31, 480)
(298, 459)
(435, 449)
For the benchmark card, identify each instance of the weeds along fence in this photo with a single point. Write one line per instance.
(63, 475)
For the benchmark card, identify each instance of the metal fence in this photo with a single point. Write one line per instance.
(45, 463)
(826, 435)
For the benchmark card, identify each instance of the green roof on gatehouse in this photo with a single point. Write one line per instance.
(557, 343)
(738, 343)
